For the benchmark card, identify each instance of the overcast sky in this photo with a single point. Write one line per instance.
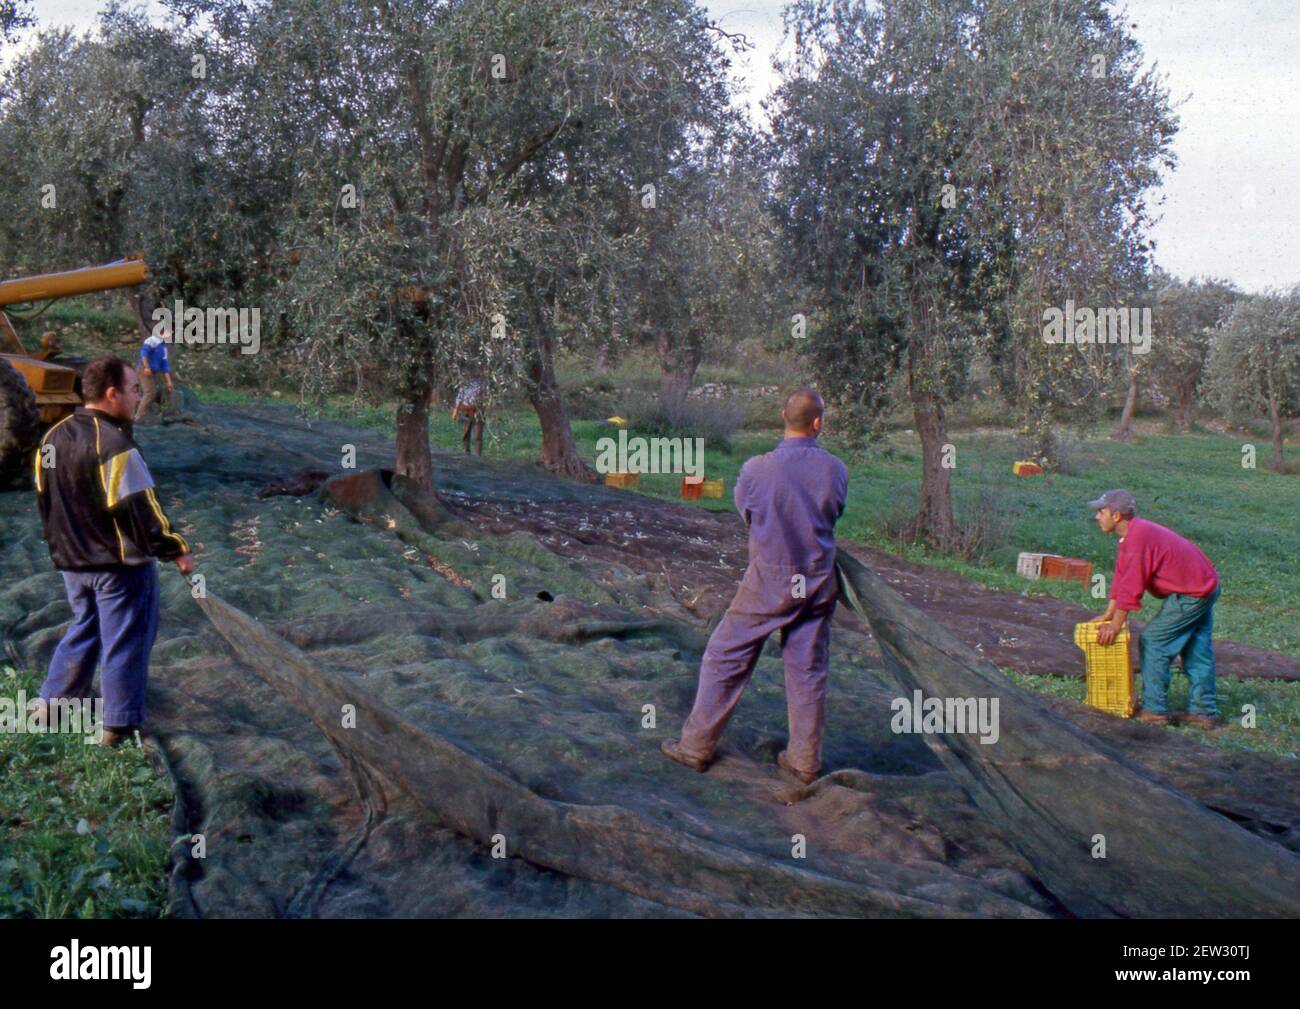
(1233, 68)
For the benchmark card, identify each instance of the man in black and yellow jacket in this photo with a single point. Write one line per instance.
(105, 527)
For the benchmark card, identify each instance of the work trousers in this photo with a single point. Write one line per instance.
(152, 390)
(1183, 626)
(114, 623)
(472, 423)
(769, 601)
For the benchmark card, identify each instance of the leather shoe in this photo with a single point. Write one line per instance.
(1200, 721)
(672, 750)
(807, 777)
(116, 735)
(1151, 718)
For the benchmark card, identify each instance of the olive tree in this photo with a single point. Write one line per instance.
(1187, 315)
(415, 167)
(15, 15)
(83, 123)
(629, 174)
(1070, 132)
(1254, 367)
(704, 272)
(949, 169)
(869, 127)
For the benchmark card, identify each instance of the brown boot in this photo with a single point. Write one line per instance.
(783, 762)
(672, 750)
(1200, 721)
(116, 735)
(1151, 718)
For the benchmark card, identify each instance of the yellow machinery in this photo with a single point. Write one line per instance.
(36, 390)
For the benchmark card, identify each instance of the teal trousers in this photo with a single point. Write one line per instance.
(1183, 626)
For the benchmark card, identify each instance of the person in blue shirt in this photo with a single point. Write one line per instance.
(152, 363)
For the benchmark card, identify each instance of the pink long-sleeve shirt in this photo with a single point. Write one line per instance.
(1154, 559)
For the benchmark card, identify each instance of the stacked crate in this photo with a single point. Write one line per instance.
(694, 488)
(1070, 569)
(1030, 565)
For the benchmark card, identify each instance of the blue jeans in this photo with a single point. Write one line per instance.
(1183, 627)
(114, 623)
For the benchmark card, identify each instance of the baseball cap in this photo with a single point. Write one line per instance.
(1116, 500)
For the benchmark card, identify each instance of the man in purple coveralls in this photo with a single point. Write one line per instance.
(790, 500)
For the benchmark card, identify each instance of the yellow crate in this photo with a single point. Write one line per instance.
(627, 481)
(1109, 669)
(711, 488)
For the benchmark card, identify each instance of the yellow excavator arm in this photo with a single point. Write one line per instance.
(54, 386)
(49, 286)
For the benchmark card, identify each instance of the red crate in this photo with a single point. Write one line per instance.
(1069, 569)
(691, 489)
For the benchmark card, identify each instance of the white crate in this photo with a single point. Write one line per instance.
(1031, 565)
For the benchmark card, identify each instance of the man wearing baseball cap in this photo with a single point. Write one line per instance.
(1154, 559)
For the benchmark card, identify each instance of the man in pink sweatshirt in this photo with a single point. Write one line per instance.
(1154, 559)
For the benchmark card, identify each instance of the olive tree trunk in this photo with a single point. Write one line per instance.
(414, 459)
(677, 367)
(934, 519)
(1275, 420)
(559, 453)
(1125, 430)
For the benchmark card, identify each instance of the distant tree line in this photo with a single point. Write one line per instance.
(420, 192)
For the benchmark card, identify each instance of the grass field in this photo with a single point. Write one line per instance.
(1244, 519)
(1275, 704)
(84, 830)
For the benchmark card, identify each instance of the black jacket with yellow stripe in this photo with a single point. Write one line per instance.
(97, 497)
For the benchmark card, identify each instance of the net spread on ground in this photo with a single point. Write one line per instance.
(382, 708)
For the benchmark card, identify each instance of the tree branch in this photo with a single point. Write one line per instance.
(534, 145)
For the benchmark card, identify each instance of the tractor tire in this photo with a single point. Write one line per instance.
(20, 427)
